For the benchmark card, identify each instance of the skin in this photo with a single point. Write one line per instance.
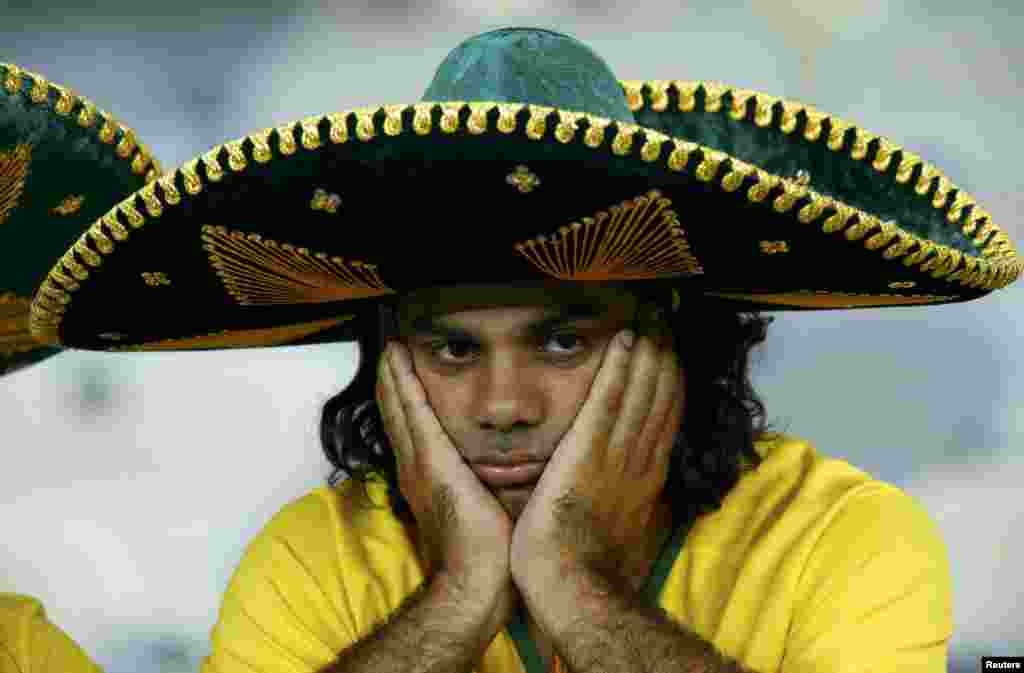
(601, 415)
(507, 392)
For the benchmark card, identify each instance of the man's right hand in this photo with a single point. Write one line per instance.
(464, 531)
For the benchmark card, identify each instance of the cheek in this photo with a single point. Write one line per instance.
(449, 397)
(569, 393)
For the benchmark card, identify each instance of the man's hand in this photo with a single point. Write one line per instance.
(594, 504)
(463, 531)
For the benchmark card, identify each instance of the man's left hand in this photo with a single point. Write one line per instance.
(594, 505)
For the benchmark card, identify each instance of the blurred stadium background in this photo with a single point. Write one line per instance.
(131, 484)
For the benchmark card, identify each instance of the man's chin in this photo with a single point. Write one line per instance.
(514, 499)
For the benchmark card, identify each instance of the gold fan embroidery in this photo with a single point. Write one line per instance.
(640, 238)
(257, 271)
(13, 171)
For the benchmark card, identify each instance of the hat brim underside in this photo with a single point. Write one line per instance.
(289, 234)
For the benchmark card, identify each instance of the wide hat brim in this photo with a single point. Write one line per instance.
(744, 200)
(63, 164)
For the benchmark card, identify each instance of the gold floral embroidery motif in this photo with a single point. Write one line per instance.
(257, 271)
(523, 179)
(13, 171)
(774, 247)
(69, 206)
(155, 278)
(641, 238)
(902, 285)
(326, 201)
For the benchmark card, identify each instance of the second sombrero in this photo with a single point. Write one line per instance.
(64, 162)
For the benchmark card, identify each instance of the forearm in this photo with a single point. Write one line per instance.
(436, 630)
(605, 628)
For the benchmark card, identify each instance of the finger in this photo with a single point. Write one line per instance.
(393, 413)
(666, 399)
(666, 440)
(425, 430)
(626, 453)
(594, 423)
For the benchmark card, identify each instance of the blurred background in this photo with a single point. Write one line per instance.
(131, 484)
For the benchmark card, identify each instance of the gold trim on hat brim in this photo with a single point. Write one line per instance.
(764, 115)
(15, 335)
(244, 338)
(811, 299)
(998, 266)
(66, 103)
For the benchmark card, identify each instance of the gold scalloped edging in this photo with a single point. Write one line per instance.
(242, 338)
(825, 299)
(49, 305)
(1003, 264)
(67, 103)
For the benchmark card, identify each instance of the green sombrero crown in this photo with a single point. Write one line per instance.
(526, 160)
(63, 164)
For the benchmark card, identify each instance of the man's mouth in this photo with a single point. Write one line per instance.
(520, 474)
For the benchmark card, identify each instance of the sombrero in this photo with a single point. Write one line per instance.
(525, 160)
(63, 164)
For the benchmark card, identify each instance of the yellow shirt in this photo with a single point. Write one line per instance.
(29, 643)
(810, 566)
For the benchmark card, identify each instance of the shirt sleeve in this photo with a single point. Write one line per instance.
(281, 611)
(31, 643)
(875, 593)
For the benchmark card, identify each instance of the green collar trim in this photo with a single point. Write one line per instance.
(649, 592)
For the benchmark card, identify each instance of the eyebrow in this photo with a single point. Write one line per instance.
(437, 326)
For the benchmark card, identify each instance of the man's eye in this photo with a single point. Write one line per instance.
(566, 343)
(457, 350)
(452, 351)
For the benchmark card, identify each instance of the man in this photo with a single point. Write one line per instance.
(63, 164)
(549, 269)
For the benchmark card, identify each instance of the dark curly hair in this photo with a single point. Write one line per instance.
(722, 418)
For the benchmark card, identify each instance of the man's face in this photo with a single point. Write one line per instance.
(507, 368)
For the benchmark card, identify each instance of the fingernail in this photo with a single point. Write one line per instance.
(627, 338)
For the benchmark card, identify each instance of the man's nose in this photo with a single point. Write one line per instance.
(508, 397)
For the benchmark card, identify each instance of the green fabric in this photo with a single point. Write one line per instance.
(530, 65)
(649, 592)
